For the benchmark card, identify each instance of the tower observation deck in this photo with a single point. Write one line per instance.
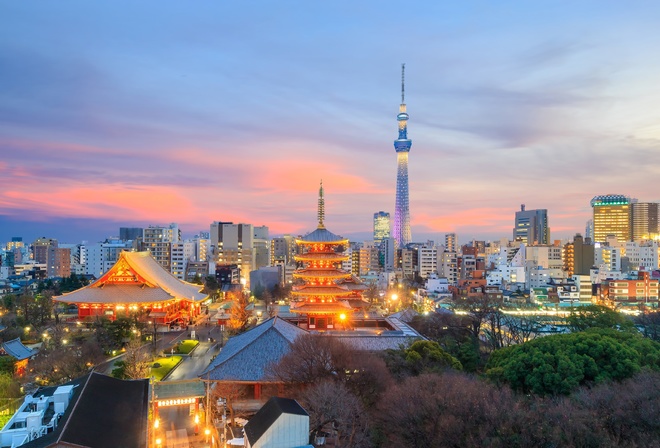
(401, 231)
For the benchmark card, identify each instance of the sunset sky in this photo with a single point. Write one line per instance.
(129, 113)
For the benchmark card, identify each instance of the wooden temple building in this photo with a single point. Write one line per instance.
(137, 284)
(323, 290)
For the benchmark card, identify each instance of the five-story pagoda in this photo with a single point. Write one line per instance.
(317, 294)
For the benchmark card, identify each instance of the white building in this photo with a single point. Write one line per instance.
(102, 256)
(428, 260)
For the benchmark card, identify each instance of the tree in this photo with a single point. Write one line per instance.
(452, 332)
(331, 406)
(211, 287)
(312, 359)
(650, 325)
(9, 302)
(448, 410)
(135, 364)
(9, 387)
(240, 316)
(231, 393)
(558, 364)
(420, 357)
(595, 316)
(7, 365)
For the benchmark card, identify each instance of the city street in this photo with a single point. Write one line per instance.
(200, 358)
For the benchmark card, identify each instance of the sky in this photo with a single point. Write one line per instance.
(145, 113)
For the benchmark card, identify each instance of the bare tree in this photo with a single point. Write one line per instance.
(136, 361)
(334, 409)
(313, 358)
(231, 393)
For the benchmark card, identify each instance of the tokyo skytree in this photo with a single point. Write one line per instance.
(401, 231)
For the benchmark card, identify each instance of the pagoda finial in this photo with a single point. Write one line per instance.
(403, 83)
(321, 207)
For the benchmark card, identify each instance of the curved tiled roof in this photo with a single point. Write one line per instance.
(16, 349)
(321, 273)
(311, 290)
(247, 356)
(313, 256)
(339, 306)
(135, 278)
(322, 235)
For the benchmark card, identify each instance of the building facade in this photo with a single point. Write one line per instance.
(531, 226)
(611, 217)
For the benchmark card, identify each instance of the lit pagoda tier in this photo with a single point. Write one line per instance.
(319, 293)
(138, 285)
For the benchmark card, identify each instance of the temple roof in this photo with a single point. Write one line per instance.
(247, 356)
(312, 290)
(313, 256)
(339, 306)
(135, 278)
(16, 349)
(322, 235)
(321, 273)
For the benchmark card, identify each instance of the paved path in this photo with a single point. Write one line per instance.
(194, 364)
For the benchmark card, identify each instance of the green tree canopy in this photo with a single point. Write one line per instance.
(556, 365)
(420, 357)
(595, 316)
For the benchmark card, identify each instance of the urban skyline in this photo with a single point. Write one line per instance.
(108, 121)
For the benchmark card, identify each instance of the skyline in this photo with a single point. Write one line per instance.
(128, 115)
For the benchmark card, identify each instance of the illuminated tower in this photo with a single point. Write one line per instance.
(319, 292)
(401, 231)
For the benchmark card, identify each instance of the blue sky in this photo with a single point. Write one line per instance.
(136, 113)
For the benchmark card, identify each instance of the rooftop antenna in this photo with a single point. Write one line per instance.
(403, 80)
(321, 211)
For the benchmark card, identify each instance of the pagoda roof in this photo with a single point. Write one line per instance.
(135, 278)
(322, 235)
(315, 290)
(311, 256)
(321, 307)
(321, 273)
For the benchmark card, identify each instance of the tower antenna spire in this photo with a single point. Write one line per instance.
(403, 83)
(321, 211)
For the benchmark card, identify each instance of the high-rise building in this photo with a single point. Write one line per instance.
(282, 250)
(611, 217)
(381, 227)
(531, 226)
(59, 262)
(579, 256)
(589, 229)
(644, 220)
(451, 242)
(130, 233)
(40, 249)
(158, 241)
(235, 244)
(401, 230)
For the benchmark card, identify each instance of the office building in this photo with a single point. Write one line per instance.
(130, 233)
(644, 221)
(158, 241)
(611, 217)
(531, 226)
(381, 227)
(451, 242)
